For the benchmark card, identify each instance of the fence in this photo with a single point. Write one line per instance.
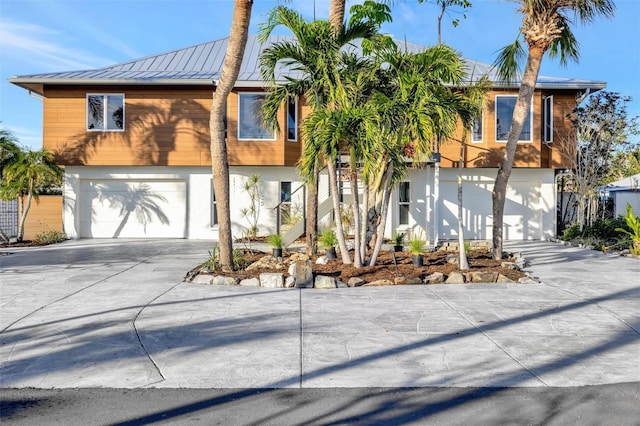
(9, 218)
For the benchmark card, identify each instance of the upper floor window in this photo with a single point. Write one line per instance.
(547, 114)
(105, 112)
(404, 202)
(292, 119)
(477, 129)
(505, 104)
(250, 125)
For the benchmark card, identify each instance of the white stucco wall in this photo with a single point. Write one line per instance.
(621, 198)
(529, 212)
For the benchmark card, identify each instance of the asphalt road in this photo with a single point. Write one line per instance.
(589, 405)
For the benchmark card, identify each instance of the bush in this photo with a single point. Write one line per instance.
(50, 237)
(607, 233)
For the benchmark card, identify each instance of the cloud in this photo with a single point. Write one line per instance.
(37, 45)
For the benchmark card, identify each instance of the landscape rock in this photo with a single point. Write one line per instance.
(355, 282)
(483, 276)
(322, 260)
(435, 278)
(289, 282)
(221, 280)
(267, 262)
(250, 282)
(509, 265)
(302, 273)
(452, 259)
(502, 279)
(407, 281)
(202, 279)
(378, 283)
(455, 278)
(528, 280)
(322, 281)
(272, 280)
(340, 284)
(298, 256)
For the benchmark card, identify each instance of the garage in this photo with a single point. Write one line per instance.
(522, 213)
(130, 208)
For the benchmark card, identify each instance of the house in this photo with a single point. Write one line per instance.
(134, 141)
(623, 192)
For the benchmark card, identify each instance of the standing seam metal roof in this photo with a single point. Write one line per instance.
(201, 64)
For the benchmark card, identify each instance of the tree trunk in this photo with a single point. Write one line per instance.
(312, 212)
(520, 112)
(25, 211)
(463, 260)
(382, 221)
(336, 14)
(335, 196)
(219, 161)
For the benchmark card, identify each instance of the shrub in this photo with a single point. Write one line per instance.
(275, 241)
(328, 238)
(50, 237)
(416, 246)
(633, 230)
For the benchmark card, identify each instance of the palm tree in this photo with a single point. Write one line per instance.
(546, 27)
(316, 54)
(238, 35)
(25, 176)
(416, 105)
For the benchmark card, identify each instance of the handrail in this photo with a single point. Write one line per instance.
(288, 200)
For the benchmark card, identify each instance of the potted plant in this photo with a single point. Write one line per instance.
(416, 247)
(328, 240)
(276, 242)
(397, 239)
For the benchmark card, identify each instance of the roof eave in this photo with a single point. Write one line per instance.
(37, 85)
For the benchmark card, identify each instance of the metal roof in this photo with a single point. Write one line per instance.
(201, 64)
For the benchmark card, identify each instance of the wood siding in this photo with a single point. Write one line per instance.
(44, 215)
(169, 126)
(163, 126)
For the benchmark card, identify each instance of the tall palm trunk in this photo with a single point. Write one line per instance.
(312, 211)
(336, 13)
(335, 196)
(219, 160)
(25, 211)
(463, 260)
(384, 209)
(358, 255)
(525, 94)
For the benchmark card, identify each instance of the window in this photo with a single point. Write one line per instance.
(504, 114)
(292, 120)
(477, 129)
(547, 114)
(105, 112)
(404, 199)
(214, 207)
(285, 203)
(250, 125)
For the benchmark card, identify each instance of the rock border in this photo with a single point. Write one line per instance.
(300, 275)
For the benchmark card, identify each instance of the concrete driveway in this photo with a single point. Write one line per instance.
(107, 313)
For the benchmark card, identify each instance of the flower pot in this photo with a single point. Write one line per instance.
(277, 252)
(397, 248)
(330, 253)
(417, 260)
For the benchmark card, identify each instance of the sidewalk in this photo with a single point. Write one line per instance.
(106, 313)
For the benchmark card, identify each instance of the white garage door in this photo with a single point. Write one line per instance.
(522, 216)
(117, 208)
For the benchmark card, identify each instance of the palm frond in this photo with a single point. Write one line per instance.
(509, 61)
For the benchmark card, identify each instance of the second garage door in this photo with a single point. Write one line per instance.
(118, 208)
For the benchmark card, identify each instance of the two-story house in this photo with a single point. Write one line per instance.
(134, 141)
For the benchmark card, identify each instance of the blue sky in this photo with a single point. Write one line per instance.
(38, 36)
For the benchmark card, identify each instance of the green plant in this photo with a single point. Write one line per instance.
(633, 222)
(328, 238)
(239, 260)
(416, 246)
(398, 238)
(213, 262)
(275, 241)
(467, 247)
(252, 212)
(50, 237)
(571, 232)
